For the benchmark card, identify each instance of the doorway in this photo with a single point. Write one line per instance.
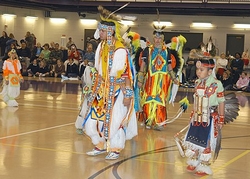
(88, 34)
(235, 43)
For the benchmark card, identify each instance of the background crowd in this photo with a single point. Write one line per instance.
(232, 71)
(49, 59)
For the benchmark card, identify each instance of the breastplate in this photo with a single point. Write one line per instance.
(201, 106)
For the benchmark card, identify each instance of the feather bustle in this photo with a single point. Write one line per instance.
(231, 108)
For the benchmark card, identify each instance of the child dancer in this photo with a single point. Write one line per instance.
(12, 77)
(206, 120)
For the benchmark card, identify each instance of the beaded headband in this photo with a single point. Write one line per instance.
(204, 63)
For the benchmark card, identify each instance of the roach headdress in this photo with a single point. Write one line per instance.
(158, 30)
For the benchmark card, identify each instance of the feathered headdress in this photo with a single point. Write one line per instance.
(109, 21)
(158, 30)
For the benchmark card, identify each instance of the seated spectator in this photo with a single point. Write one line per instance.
(94, 43)
(45, 53)
(52, 46)
(82, 67)
(242, 82)
(36, 51)
(24, 53)
(236, 66)
(72, 69)
(22, 40)
(89, 55)
(226, 80)
(59, 69)
(74, 54)
(221, 65)
(33, 68)
(191, 68)
(56, 54)
(65, 54)
(24, 69)
(43, 69)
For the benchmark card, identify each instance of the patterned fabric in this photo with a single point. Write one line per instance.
(198, 135)
(157, 84)
(203, 128)
(11, 67)
(11, 73)
(107, 117)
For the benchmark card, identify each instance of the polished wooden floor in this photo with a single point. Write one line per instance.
(38, 140)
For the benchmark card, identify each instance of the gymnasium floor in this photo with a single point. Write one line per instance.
(38, 140)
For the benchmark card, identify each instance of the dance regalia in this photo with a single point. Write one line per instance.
(104, 116)
(11, 73)
(135, 44)
(203, 130)
(177, 44)
(157, 84)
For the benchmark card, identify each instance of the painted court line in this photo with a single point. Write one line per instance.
(45, 149)
(39, 130)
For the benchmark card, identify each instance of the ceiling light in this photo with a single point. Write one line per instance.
(202, 24)
(127, 22)
(242, 26)
(128, 18)
(9, 15)
(88, 21)
(31, 17)
(57, 20)
(163, 23)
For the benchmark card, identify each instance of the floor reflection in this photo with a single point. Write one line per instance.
(9, 127)
(9, 120)
(51, 85)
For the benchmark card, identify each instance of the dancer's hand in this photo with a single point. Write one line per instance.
(139, 84)
(21, 80)
(176, 81)
(7, 82)
(220, 125)
(126, 101)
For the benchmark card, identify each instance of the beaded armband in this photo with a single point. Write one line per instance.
(221, 119)
(220, 94)
(140, 76)
(172, 74)
(128, 93)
